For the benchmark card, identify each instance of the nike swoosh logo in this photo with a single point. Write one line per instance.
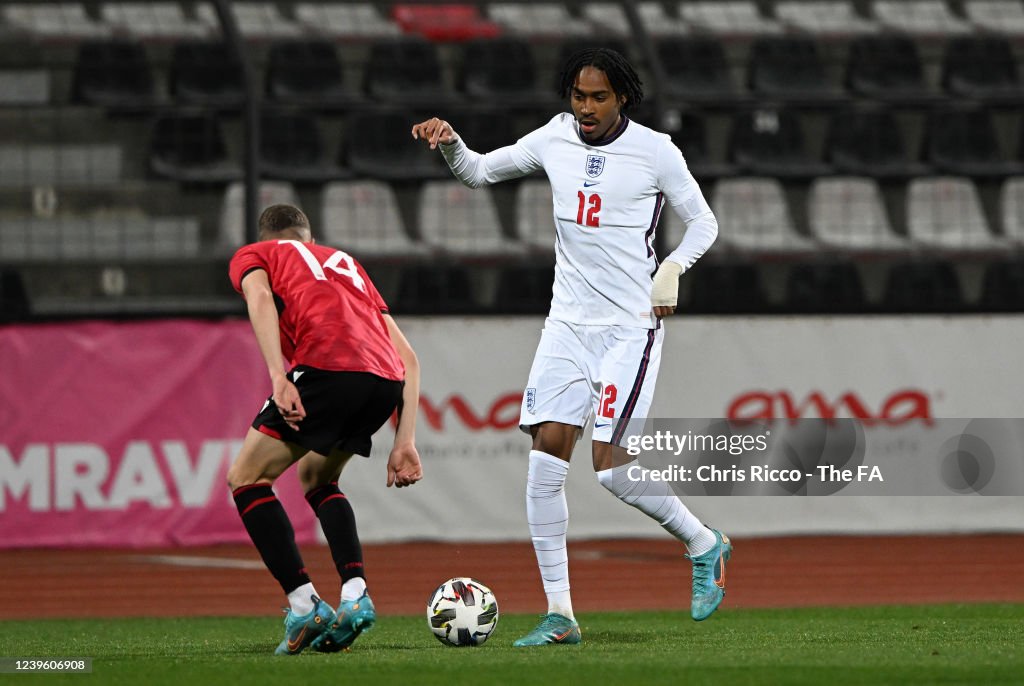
(294, 645)
(559, 637)
(588, 184)
(601, 426)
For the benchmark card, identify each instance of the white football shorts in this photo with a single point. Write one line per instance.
(608, 372)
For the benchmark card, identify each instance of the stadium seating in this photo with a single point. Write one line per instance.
(824, 289)
(345, 21)
(728, 17)
(457, 220)
(444, 22)
(434, 289)
(113, 74)
(607, 18)
(538, 20)
(535, 220)
(24, 87)
(191, 147)
(997, 16)
(847, 213)
(484, 71)
(691, 137)
(887, 67)
(983, 68)
(919, 17)
(153, 21)
(724, 289)
(378, 146)
(770, 142)
(961, 140)
(24, 166)
(788, 68)
(363, 217)
(255, 20)
(231, 232)
(944, 213)
(923, 287)
(404, 70)
(205, 73)
(525, 289)
(293, 149)
(307, 72)
(869, 141)
(53, 21)
(824, 18)
(696, 69)
(126, 234)
(1011, 203)
(755, 217)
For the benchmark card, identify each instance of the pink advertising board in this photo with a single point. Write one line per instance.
(121, 434)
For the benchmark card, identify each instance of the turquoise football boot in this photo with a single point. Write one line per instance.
(709, 577)
(554, 628)
(353, 618)
(301, 630)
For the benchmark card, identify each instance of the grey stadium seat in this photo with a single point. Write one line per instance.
(753, 216)
(945, 213)
(847, 212)
(362, 217)
(462, 221)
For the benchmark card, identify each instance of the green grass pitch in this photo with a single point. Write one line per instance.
(941, 644)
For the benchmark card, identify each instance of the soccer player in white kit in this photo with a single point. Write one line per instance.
(600, 349)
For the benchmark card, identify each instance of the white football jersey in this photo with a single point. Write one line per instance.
(607, 200)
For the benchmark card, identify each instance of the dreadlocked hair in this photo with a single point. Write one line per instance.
(621, 75)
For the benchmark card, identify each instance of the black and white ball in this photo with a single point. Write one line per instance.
(462, 612)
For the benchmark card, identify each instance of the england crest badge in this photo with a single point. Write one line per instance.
(595, 165)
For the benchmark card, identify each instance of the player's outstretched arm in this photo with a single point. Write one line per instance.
(259, 301)
(434, 131)
(404, 468)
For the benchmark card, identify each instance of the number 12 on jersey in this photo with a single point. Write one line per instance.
(591, 205)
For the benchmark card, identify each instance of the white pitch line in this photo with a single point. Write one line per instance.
(198, 561)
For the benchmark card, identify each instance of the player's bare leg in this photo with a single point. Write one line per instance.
(708, 549)
(259, 463)
(548, 517)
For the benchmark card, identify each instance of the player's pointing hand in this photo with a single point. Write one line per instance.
(434, 131)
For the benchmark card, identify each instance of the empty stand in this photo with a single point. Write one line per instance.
(206, 73)
(113, 74)
(868, 141)
(525, 289)
(789, 68)
(363, 217)
(961, 140)
(753, 216)
(692, 139)
(434, 289)
(445, 22)
(24, 87)
(918, 17)
(151, 21)
(888, 68)
(535, 216)
(607, 18)
(659, 23)
(981, 67)
(462, 221)
(824, 18)
(824, 289)
(944, 213)
(293, 149)
(696, 69)
(770, 142)
(728, 17)
(404, 70)
(58, 20)
(231, 233)
(485, 73)
(923, 287)
(307, 72)
(541, 19)
(378, 145)
(26, 165)
(126, 235)
(848, 213)
(997, 16)
(724, 289)
(1011, 203)
(255, 20)
(343, 20)
(191, 147)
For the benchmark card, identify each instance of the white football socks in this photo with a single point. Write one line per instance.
(353, 589)
(547, 513)
(656, 500)
(300, 599)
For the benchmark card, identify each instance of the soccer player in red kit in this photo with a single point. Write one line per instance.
(315, 307)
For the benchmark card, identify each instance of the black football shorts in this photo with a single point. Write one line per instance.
(343, 410)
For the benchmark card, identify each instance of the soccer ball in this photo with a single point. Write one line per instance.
(462, 612)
